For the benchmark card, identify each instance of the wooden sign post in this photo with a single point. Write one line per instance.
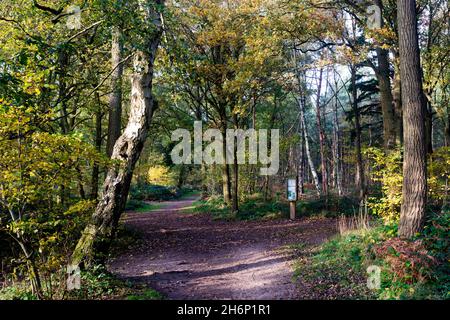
(292, 196)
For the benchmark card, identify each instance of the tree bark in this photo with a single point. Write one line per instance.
(359, 177)
(414, 158)
(115, 99)
(235, 195)
(100, 230)
(301, 104)
(428, 126)
(336, 150)
(447, 128)
(226, 177)
(307, 149)
(386, 98)
(301, 161)
(323, 160)
(397, 99)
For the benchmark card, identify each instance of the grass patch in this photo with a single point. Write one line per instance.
(148, 294)
(142, 206)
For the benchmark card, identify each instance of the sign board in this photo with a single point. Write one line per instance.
(292, 189)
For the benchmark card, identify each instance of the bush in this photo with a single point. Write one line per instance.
(386, 169)
(252, 208)
(438, 172)
(98, 283)
(149, 192)
(332, 206)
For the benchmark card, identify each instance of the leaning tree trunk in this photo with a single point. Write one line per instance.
(414, 159)
(98, 233)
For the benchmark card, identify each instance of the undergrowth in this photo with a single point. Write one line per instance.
(250, 209)
(255, 207)
(410, 269)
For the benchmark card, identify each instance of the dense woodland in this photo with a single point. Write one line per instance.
(91, 91)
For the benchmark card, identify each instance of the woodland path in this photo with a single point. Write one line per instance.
(192, 256)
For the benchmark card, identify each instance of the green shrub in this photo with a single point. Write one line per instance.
(332, 206)
(148, 294)
(141, 206)
(149, 192)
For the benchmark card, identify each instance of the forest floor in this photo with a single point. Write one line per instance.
(192, 256)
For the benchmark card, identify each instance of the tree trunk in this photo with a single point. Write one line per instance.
(301, 162)
(301, 104)
(336, 150)
(115, 98)
(397, 99)
(428, 126)
(323, 160)
(386, 98)
(235, 194)
(307, 149)
(414, 158)
(226, 177)
(98, 146)
(80, 183)
(99, 232)
(359, 177)
(447, 128)
(235, 207)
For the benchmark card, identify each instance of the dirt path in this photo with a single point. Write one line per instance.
(187, 256)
